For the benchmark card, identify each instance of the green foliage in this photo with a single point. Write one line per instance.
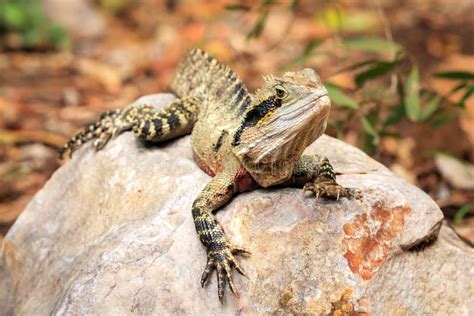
(456, 75)
(388, 86)
(237, 7)
(258, 27)
(373, 44)
(462, 212)
(23, 25)
(116, 6)
(411, 98)
(338, 96)
(264, 7)
(466, 83)
(430, 108)
(376, 70)
(308, 52)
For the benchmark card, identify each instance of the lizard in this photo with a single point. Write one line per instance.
(243, 141)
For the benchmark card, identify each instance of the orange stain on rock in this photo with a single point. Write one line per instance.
(369, 238)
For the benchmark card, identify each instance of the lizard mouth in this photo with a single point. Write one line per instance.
(314, 108)
(306, 121)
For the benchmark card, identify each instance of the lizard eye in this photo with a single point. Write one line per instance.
(280, 92)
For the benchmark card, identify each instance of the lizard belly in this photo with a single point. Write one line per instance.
(207, 142)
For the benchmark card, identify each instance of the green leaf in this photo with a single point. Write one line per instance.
(311, 46)
(368, 127)
(359, 65)
(258, 27)
(337, 96)
(461, 213)
(377, 70)
(441, 120)
(369, 145)
(455, 75)
(59, 37)
(396, 115)
(307, 53)
(237, 7)
(430, 108)
(458, 87)
(294, 5)
(14, 16)
(334, 18)
(373, 44)
(467, 95)
(412, 95)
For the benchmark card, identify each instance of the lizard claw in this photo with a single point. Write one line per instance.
(331, 190)
(223, 260)
(240, 249)
(111, 123)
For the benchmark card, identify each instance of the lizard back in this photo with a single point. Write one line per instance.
(215, 84)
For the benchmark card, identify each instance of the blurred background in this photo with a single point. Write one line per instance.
(400, 75)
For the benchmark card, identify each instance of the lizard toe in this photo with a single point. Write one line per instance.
(223, 261)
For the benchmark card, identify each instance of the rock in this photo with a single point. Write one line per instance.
(111, 233)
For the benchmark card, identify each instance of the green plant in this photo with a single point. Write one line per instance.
(462, 212)
(388, 87)
(263, 8)
(23, 25)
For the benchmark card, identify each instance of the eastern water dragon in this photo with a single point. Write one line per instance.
(244, 141)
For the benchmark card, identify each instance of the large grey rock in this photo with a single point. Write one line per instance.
(111, 233)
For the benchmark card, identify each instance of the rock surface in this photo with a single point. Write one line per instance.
(111, 233)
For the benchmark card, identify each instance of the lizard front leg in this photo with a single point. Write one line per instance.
(315, 174)
(147, 122)
(220, 253)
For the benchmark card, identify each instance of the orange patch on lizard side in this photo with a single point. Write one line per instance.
(243, 181)
(369, 238)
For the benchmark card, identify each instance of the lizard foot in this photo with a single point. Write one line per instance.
(111, 123)
(331, 190)
(223, 260)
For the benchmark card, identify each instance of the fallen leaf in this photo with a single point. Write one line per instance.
(14, 137)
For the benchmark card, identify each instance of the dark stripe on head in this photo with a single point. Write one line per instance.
(221, 139)
(255, 115)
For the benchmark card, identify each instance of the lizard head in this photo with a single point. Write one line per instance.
(286, 115)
